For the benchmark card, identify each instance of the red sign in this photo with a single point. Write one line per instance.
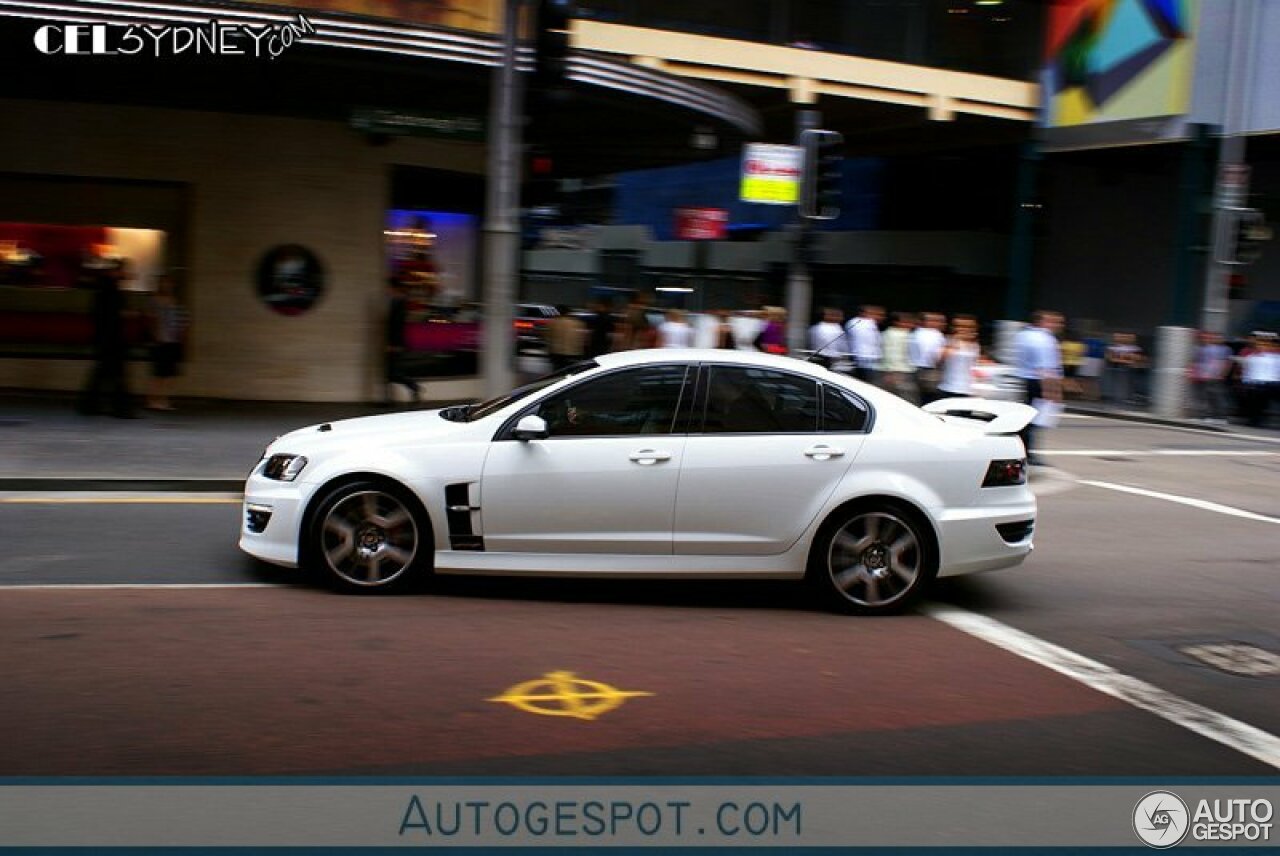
(701, 224)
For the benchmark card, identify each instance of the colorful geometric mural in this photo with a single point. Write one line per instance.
(1118, 59)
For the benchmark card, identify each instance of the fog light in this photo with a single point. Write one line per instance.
(256, 517)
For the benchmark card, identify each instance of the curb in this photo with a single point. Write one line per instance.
(121, 485)
(1133, 416)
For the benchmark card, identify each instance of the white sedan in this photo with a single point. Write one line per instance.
(671, 463)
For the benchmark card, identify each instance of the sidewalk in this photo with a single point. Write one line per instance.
(204, 445)
(210, 445)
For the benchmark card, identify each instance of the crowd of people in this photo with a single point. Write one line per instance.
(925, 356)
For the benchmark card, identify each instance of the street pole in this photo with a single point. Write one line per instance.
(1232, 186)
(799, 283)
(502, 213)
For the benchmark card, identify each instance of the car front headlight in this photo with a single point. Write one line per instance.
(284, 467)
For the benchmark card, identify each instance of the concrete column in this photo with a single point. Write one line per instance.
(502, 214)
(1175, 347)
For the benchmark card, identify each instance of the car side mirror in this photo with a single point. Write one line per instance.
(530, 427)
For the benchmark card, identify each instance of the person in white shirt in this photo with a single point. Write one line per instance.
(1038, 361)
(864, 343)
(1260, 374)
(828, 342)
(927, 342)
(899, 372)
(675, 332)
(959, 355)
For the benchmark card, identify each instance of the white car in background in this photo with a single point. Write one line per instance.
(663, 463)
(998, 381)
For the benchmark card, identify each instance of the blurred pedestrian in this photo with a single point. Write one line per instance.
(1260, 374)
(1039, 363)
(927, 343)
(395, 367)
(724, 335)
(899, 373)
(773, 336)
(1124, 358)
(1208, 374)
(828, 341)
(167, 323)
(959, 356)
(1073, 351)
(864, 343)
(566, 338)
(107, 382)
(675, 332)
(636, 330)
(1091, 369)
(600, 327)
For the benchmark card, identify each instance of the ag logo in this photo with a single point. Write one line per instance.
(1161, 819)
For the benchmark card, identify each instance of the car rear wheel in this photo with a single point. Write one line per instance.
(873, 560)
(367, 536)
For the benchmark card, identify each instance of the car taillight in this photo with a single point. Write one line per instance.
(1006, 473)
(524, 325)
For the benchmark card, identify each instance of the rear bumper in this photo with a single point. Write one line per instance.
(971, 543)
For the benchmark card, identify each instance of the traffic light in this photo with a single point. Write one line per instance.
(551, 43)
(1250, 232)
(823, 176)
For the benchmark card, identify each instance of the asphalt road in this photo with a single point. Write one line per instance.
(213, 664)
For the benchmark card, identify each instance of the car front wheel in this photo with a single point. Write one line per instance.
(873, 560)
(367, 537)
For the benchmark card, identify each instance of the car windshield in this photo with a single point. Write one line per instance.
(493, 405)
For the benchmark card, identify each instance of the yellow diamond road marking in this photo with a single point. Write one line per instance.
(564, 694)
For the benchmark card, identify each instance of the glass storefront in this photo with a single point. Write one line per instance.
(45, 270)
(431, 255)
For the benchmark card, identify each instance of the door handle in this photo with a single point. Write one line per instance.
(823, 453)
(646, 457)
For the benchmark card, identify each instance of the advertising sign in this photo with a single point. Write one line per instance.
(701, 224)
(771, 174)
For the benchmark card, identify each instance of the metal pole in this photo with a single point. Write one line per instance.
(502, 213)
(799, 284)
(1017, 304)
(1232, 187)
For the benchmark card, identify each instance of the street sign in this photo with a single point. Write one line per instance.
(771, 174)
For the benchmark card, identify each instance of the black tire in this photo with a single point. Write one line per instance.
(876, 558)
(368, 536)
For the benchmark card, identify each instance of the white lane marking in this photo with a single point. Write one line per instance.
(1218, 727)
(1173, 453)
(118, 498)
(1202, 504)
(129, 586)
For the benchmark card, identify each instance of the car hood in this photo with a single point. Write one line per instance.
(383, 429)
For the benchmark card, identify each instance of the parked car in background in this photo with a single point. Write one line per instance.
(997, 381)
(531, 321)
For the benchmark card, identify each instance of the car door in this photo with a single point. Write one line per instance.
(603, 480)
(762, 465)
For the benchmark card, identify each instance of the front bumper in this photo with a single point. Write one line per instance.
(270, 520)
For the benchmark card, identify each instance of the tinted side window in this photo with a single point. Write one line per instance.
(842, 412)
(637, 401)
(742, 400)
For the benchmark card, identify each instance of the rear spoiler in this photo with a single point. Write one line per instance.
(996, 417)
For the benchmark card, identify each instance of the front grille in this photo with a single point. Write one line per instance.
(256, 518)
(1019, 530)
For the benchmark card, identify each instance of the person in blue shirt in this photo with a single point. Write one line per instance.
(1038, 359)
